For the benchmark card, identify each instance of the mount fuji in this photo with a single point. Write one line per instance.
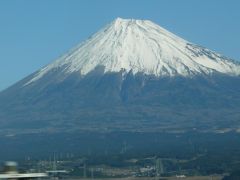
(140, 46)
(132, 75)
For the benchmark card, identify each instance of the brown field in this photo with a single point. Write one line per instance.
(165, 178)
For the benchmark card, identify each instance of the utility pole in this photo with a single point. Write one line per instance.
(92, 174)
(84, 170)
(54, 162)
(159, 167)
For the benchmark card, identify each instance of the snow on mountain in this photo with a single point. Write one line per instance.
(140, 46)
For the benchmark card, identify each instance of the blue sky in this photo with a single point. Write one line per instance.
(33, 33)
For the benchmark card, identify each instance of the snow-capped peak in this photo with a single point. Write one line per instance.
(140, 46)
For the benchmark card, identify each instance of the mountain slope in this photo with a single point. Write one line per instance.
(140, 46)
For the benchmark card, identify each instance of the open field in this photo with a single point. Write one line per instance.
(164, 178)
